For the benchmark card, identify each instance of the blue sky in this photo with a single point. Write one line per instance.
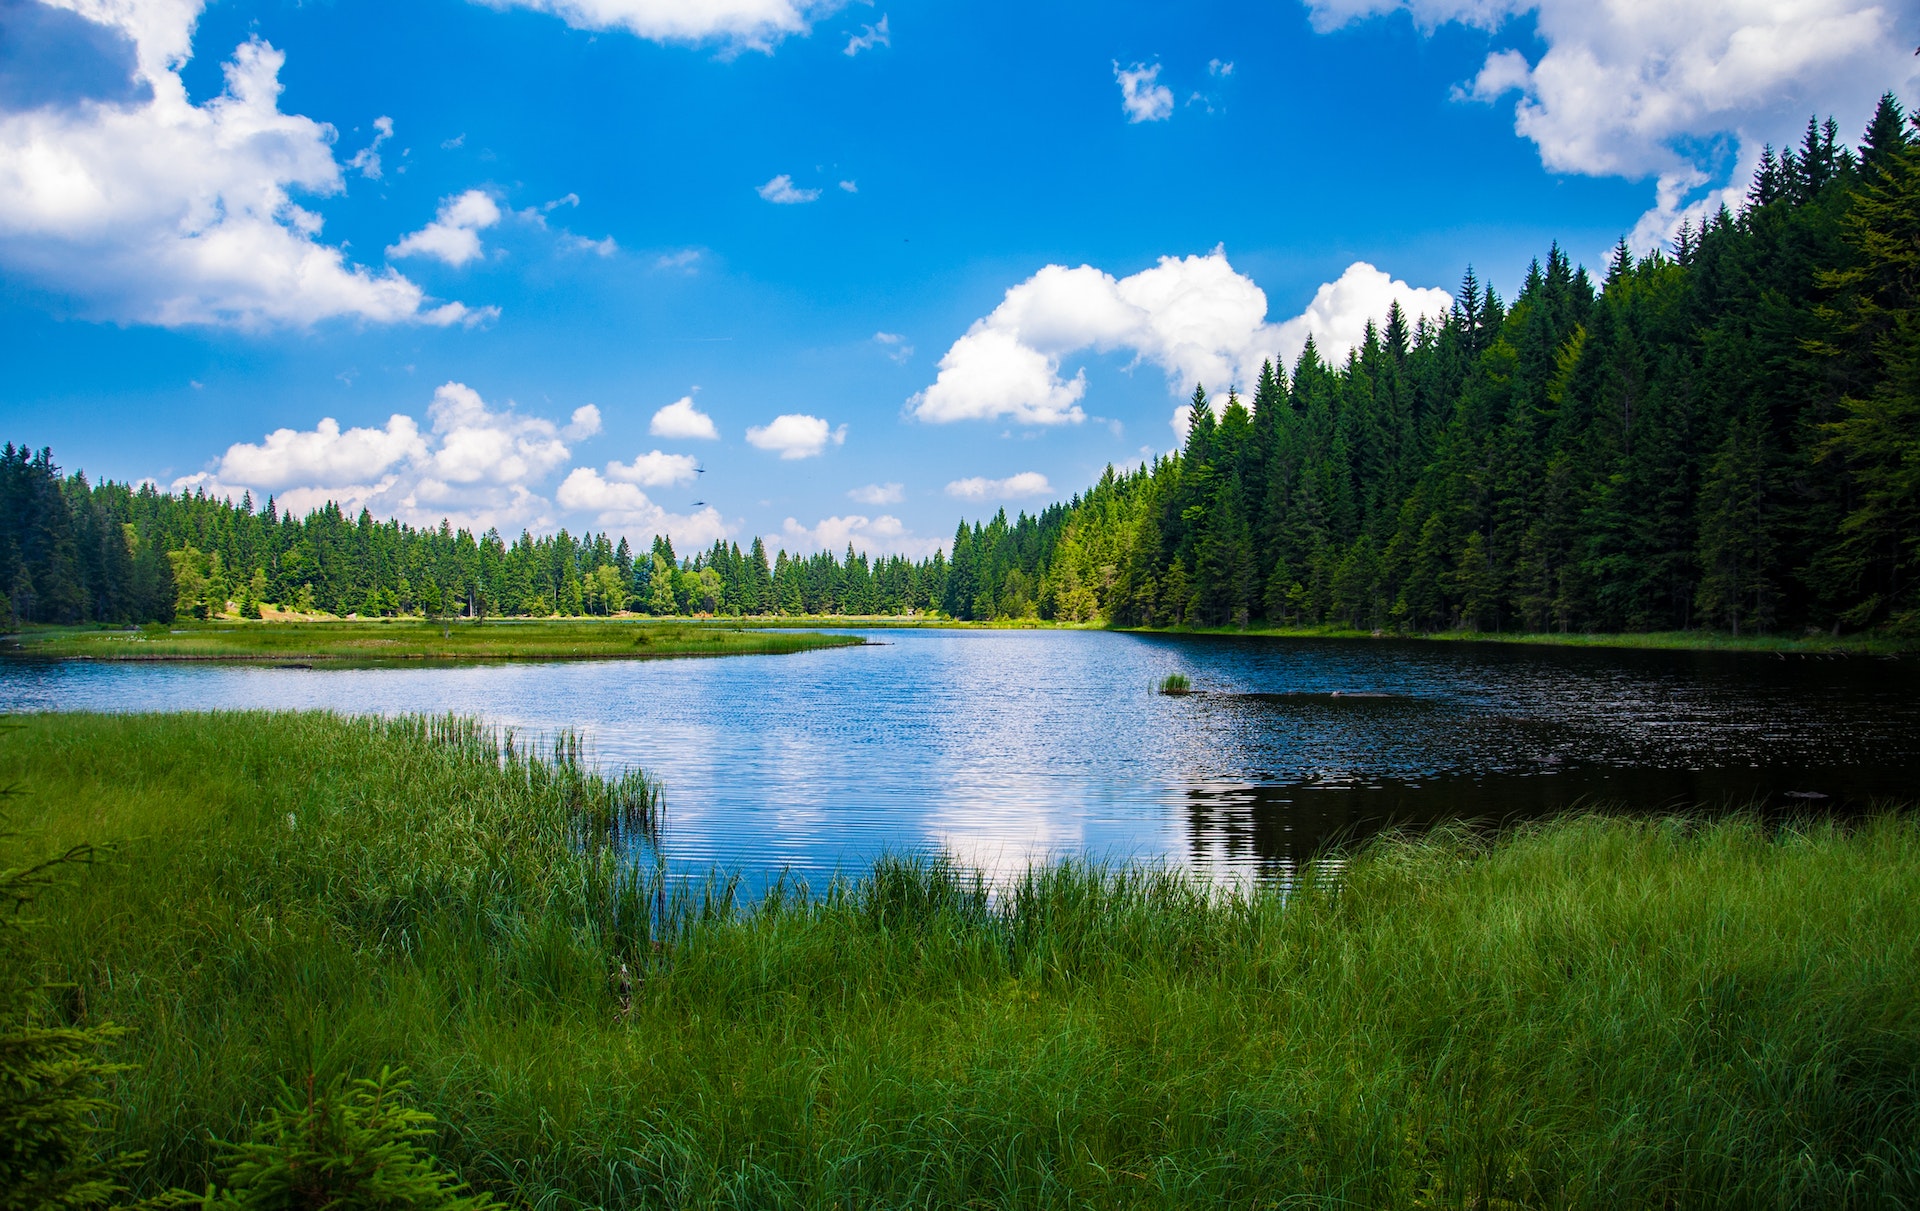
(904, 261)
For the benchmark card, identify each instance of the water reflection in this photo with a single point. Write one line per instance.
(1005, 746)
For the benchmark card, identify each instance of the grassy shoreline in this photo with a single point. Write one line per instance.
(631, 637)
(1599, 1012)
(1676, 641)
(409, 640)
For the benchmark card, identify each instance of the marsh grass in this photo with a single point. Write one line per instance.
(1600, 1012)
(1176, 684)
(398, 640)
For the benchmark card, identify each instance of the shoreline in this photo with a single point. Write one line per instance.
(407, 641)
(1624, 1011)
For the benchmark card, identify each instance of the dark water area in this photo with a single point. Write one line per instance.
(1004, 747)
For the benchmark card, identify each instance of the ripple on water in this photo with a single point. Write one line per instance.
(1005, 747)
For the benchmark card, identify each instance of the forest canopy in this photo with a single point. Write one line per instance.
(1722, 435)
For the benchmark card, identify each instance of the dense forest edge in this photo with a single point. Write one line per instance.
(1600, 1011)
(1723, 437)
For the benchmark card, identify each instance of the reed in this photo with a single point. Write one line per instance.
(1176, 684)
(1598, 1012)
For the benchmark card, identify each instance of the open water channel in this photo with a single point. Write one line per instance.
(1002, 747)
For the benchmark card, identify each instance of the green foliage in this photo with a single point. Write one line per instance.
(51, 1115)
(348, 1145)
(51, 1075)
(1176, 684)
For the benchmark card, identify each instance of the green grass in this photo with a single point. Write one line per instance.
(1864, 644)
(1596, 1013)
(375, 642)
(1176, 684)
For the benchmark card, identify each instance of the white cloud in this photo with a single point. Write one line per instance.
(480, 446)
(1195, 317)
(895, 345)
(879, 494)
(979, 487)
(324, 455)
(682, 421)
(1649, 88)
(454, 234)
(849, 187)
(604, 247)
(740, 24)
(869, 37)
(585, 422)
(1141, 99)
(367, 159)
(655, 469)
(1219, 67)
(882, 535)
(160, 211)
(624, 507)
(1337, 316)
(780, 192)
(796, 435)
(476, 465)
(686, 260)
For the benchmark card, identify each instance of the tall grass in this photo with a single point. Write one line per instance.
(1598, 1012)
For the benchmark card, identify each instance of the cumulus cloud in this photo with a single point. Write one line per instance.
(1141, 98)
(1337, 316)
(1643, 88)
(477, 465)
(850, 187)
(738, 24)
(882, 535)
(979, 487)
(795, 435)
(624, 507)
(1195, 317)
(157, 210)
(780, 192)
(879, 494)
(324, 455)
(655, 469)
(585, 422)
(454, 234)
(895, 345)
(869, 37)
(684, 422)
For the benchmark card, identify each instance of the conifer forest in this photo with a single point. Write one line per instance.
(1723, 436)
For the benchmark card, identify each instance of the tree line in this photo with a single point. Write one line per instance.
(75, 551)
(1725, 436)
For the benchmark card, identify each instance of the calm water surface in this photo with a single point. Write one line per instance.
(1004, 746)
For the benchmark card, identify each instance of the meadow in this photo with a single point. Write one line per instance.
(395, 640)
(1603, 1011)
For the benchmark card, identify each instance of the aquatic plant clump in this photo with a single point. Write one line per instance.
(1176, 684)
(1592, 1013)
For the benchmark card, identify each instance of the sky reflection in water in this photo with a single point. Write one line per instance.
(1006, 746)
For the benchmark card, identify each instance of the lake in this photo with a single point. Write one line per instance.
(1001, 747)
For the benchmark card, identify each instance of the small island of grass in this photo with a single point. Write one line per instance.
(386, 641)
